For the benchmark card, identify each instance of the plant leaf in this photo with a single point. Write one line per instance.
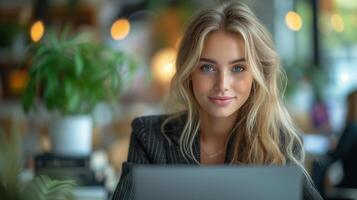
(73, 74)
(44, 188)
(10, 164)
(78, 64)
(74, 101)
(29, 95)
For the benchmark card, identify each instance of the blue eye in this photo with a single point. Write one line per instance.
(207, 68)
(237, 68)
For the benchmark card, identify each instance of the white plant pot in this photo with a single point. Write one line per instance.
(72, 135)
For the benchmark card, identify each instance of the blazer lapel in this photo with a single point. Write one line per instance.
(174, 130)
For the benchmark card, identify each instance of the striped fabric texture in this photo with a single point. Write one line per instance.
(149, 146)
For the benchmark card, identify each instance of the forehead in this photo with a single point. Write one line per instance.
(223, 46)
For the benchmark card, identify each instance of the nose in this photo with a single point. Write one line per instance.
(222, 81)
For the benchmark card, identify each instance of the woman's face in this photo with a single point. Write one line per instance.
(222, 80)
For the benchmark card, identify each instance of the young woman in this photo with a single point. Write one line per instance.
(227, 82)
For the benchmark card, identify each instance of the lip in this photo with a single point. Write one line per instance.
(221, 100)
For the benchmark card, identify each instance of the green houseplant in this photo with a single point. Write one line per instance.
(71, 75)
(11, 185)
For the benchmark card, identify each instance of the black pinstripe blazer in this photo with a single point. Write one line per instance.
(149, 146)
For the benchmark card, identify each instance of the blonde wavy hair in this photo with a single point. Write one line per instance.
(264, 132)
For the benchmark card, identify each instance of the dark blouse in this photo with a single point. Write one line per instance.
(149, 146)
(346, 151)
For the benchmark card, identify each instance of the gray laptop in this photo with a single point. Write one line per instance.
(217, 183)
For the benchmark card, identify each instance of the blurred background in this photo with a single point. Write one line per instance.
(316, 40)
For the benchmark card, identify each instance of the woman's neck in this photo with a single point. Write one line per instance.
(216, 129)
(214, 133)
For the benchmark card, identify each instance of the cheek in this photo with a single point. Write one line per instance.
(244, 85)
(200, 85)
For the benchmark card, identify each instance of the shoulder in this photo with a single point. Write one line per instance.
(151, 127)
(291, 145)
(147, 125)
(150, 121)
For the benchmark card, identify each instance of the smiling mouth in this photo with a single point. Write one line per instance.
(222, 101)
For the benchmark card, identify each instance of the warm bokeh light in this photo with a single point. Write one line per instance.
(163, 65)
(337, 23)
(293, 21)
(120, 29)
(37, 30)
(17, 81)
(344, 77)
(178, 42)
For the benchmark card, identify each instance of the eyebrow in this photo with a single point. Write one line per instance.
(214, 62)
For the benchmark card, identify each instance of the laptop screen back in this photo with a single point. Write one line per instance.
(219, 182)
